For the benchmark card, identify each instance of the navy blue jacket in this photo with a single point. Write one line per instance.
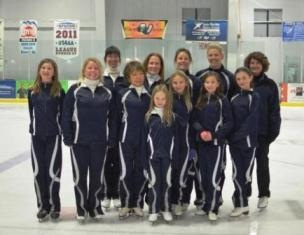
(114, 87)
(227, 78)
(88, 117)
(215, 117)
(162, 140)
(45, 111)
(270, 117)
(131, 111)
(245, 111)
(150, 88)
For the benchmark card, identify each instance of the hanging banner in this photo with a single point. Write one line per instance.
(1, 45)
(144, 29)
(66, 38)
(208, 31)
(293, 31)
(28, 36)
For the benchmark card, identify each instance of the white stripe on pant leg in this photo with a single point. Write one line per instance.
(140, 193)
(214, 183)
(36, 171)
(249, 170)
(104, 178)
(123, 175)
(152, 183)
(51, 172)
(76, 179)
(168, 177)
(237, 183)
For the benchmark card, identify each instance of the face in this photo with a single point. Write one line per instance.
(137, 78)
(256, 67)
(159, 99)
(215, 58)
(112, 60)
(179, 84)
(243, 80)
(211, 84)
(46, 72)
(92, 71)
(182, 61)
(154, 65)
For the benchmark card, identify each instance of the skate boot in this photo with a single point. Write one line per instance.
(124, 212)
(138, 211)
(167, 216)
(42, 215)
(55, 215)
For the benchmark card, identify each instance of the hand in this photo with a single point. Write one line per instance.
(206, 136)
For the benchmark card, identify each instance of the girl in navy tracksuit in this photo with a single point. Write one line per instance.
(154, 71)
(45, 100)
(179, 87)
(114, 81)
(183, 60)
(243, 139)
(132, 104)
(88, 124)
(212, 122)
(161, 135)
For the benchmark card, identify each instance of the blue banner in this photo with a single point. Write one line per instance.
(293, 31)
(210, 31)
(7, 89)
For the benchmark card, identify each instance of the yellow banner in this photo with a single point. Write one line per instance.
(144, 29)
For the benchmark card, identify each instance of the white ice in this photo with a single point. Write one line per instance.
(284, 215)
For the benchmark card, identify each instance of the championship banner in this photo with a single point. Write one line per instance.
(1, 45)
(208, 31)
(28, 36)
(144, 29)
(293, 31)
(66, 38)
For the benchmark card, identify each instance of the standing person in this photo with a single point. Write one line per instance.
(45, 100)
(88, 108)
(243, 139)
(113, 80)
(269, 120)
(154, 71)
(161, 135)
(215, 56)
(212, 122)
(183, 60)
(132, 104)
(179, 86)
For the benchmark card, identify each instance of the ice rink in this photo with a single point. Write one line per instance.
(284, 215)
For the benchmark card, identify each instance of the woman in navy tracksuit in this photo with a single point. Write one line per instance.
(212, 122)
(132, 104)
(179, 87)
(114, 81)
(269, 120)
(45, 100)
(162, 139)
(88, 124)
(154, 71)
(243, 139)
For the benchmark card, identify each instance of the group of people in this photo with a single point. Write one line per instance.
(137, 137)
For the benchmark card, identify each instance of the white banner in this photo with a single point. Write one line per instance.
(1, 45)
(28, 36)
(66, 38)
(295, 92)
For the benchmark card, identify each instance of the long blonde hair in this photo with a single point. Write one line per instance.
(56, 86)
(186, 94)
(168, 113)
